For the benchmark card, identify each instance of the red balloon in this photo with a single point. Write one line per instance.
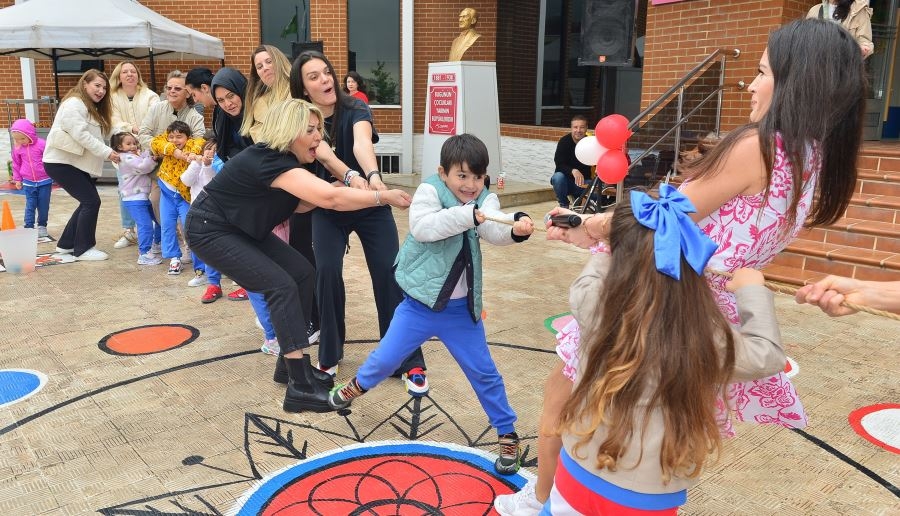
(612, 131)
(612, 167)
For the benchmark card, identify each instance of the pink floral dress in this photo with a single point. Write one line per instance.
(750, 231)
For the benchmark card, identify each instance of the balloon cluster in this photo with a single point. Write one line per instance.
(605, 150)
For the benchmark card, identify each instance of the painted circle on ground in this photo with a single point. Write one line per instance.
(19, 384)
(879, 424)
(149, 339)
(791, 368)
(396, 478)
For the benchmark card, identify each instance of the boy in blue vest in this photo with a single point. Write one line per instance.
(439, 270)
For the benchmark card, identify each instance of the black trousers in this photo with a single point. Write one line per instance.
(377, 231)
(270, 266)
(81, 230)
(301, 240)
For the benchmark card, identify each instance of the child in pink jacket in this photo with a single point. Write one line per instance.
(29, 174)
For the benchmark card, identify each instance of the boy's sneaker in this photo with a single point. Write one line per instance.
(128, 238)
(238, 295)
(42, 232)
(416, 382)
(199, 279)
(149, 258)
(341, 395)
(510, 456)
(174, 267)
(312, 333)
(212, 293)
(156, 249)
(522, 503)
(271, 347)
(333, 370)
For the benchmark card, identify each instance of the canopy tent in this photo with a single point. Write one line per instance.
(99, 29)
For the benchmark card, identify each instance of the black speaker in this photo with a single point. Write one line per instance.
(297, 47)
(607, 32)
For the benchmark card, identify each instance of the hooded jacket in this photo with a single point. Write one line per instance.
(227, 127)
(858, 21)
(28, 159)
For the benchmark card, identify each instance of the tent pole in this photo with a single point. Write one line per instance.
(55, 72)
(152, 72)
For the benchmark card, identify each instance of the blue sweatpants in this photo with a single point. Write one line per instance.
(261, 309)
(413, 324)
(148, 231)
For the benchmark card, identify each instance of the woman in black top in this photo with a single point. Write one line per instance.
(351, 134)
(230, 227)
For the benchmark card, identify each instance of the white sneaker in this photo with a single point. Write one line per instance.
(271, 347)
(92, 255)
(174, 267)
(198, 280)
(128, 238)
(149, 259)
(42, 232)
(523, 503)
(62, 250)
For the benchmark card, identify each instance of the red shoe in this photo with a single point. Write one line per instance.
(212, 293)
(238, 295)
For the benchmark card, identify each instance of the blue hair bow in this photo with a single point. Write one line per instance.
(676, 233)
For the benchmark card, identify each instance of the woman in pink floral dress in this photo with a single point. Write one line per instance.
(807, 103)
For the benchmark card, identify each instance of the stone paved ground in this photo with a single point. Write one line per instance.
(165, 433)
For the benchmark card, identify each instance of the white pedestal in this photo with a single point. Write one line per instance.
(462, 98)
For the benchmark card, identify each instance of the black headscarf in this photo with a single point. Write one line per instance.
(227, 127)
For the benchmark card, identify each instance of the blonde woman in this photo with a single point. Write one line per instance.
(74, 157)
(130, 99)
(229, 226)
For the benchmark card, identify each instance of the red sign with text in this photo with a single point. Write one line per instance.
(442, 116)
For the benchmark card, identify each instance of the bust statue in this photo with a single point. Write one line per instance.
(468, 17)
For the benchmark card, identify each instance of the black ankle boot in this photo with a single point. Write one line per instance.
(281, 374)
(303, 391)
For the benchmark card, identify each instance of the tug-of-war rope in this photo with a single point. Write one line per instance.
(771, 285)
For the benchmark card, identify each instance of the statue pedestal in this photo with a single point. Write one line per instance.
(462, 98)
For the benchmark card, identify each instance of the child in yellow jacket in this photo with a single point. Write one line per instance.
(176, 147)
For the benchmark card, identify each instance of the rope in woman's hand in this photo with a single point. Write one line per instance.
(785, 289)
(510, 223)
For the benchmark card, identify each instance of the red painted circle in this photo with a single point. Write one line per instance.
(148, 339)
(856, 421)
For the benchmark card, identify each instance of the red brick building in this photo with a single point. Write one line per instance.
(673, 37)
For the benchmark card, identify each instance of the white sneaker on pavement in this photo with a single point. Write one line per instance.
(522, 503)
(198, 280)
(128, 238)
(92, 255)
(62, 250)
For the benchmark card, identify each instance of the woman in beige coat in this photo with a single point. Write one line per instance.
(853, 15)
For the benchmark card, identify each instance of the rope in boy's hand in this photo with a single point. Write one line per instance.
(785, 289)
(511, 223)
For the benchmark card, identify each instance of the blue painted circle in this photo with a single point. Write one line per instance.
(16, 385)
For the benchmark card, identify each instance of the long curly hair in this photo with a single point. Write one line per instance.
(256, 88)
(101, 111)
(818, 101)
(660, 347)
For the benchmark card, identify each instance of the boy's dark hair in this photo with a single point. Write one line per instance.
(579, 117)
(116, 141)
(198, 77)
(179, 127)
(465, 148)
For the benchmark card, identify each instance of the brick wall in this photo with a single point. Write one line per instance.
(681, 35)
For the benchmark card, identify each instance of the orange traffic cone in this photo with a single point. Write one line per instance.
(7, 221)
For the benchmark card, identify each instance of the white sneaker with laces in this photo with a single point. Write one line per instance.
(174, 267)
(128, 238)
(522, 503)
(92, 255)
(149, 259)
(198, 280)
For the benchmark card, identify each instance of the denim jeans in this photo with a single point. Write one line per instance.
(148, 231)
(37, 198)
(261, 309)
(563, 187)
(81, 230)
(272, 267)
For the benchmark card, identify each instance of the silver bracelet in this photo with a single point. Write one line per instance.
(377, 198)
(349, 175)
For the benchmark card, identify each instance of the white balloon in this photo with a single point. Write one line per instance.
(588, 150)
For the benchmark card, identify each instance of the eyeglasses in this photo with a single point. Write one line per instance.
(176, 89)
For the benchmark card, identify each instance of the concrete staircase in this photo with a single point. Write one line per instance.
(865, 242)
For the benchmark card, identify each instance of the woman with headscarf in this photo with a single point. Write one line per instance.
(228, 89)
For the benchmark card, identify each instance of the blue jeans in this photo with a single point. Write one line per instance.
(258, 302)
(148, 231)
(413, 324)
(37, 198)
(563, 187)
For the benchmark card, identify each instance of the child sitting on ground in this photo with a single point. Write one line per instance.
(134, 185)
(29, 175)
(175, 146)
(202, 169)
(439, 269)
(656, 353)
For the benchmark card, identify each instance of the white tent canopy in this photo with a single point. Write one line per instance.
(99, 29)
